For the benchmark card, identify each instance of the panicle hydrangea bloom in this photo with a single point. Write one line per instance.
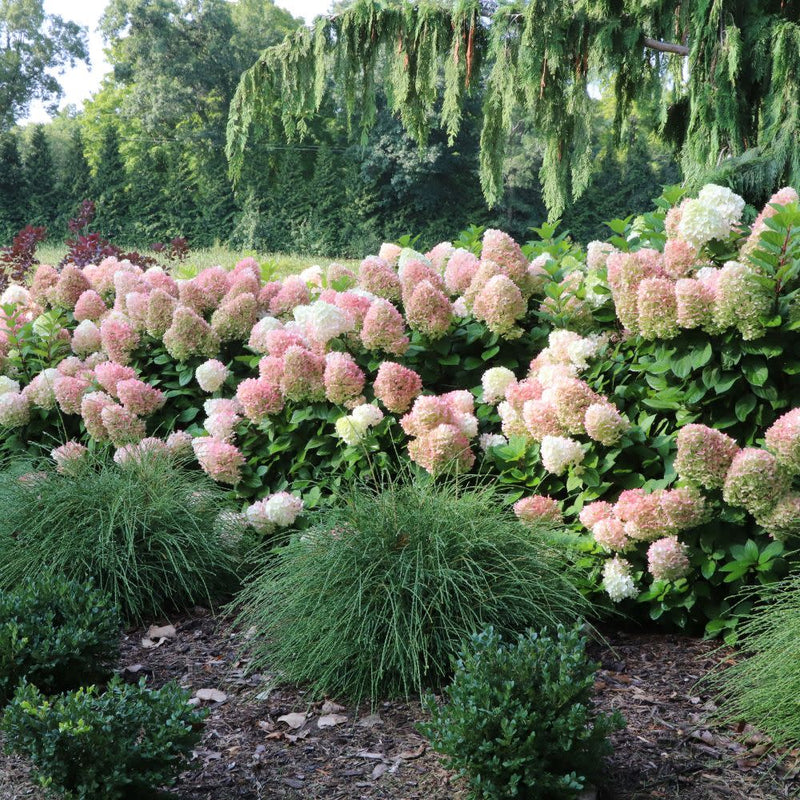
(673, 220)
(160, 308)
(609, 533)
(384, 329)
(711, 216)
(783, 439)
(122, 426)
(72, 283)
(657, 309)
(396, 386)
(625, 272)
(91, 409)
(259, 398)
(485, 272)
(367, 414)
(221, 405)
(211, 375)
(428, 310)
(571, 398)
(271, 368)
(340, 277)
(489, 440)
(390, 253)
(495, 381)
(349, 430)
(783, 519)
(550, 374)
(293, 292)
(683, 508)
(704, 455)
(679, 258)
(41, 390)
(440, 449)
(15, 409)
(538, 508)
(667, 559)
(560, 453)
(119, 337)
(265, 295)
(258, 335)
(375, 275)
(641, 512)
(323, 321)
(427, 412)
(312, 276)
(500, 304)
(86, 339)
(221, 423)
(503, 250)
(140, 451)
(355, 304)
(558, 346)
(782, 197)
(136, 306)
(179, 444)
(741, 300)
(440, 254)
(156, 278)
(519, 392)
(755, 481)
(461, 401)
(44, 279)
(279, 340)
(219, 459)
(190, 335)
(8, 385)
(592, 513)
(215, 281)
(583, 349)
(282, 509)
(414, 271)
(511, 420)
(109, 374)
(69, 392)
(460, 270)
(540, 419)
(694, 303)
(71, 366)
(303, 375)
(234, 319)
(605, 424)
(89, 306)
(192, 295)
(538, 277)
(597, 253)
(15, 295)
(69, 457)
(243, 283)
(139, 397)
(618, 579)
(344, 379)
(460, 310)
(125, 282)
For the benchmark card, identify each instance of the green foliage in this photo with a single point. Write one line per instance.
(148, 532)
(40, 179)
(376, 596)
(13, 200)
(56, 634)
(518, 721)
(125, 742)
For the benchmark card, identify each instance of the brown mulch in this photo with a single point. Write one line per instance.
(337, 752)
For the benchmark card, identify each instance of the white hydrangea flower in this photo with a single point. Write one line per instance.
(366, 415)
(323, 321)
(8, 385)
(617, 579)
(15, 295)
(211, 375)
(487, 440)
(495, 381)
(460, 307)
(711, 216)
(350, 431)
(467, 424)
(283, 508)
(559, 453)
(312, 275)
(728, 204)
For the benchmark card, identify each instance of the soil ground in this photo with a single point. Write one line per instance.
(669, 749)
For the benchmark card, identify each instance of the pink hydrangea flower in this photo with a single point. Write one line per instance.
(91, 409)
(625, 272)
(782, 197)
(355, 305)
(390, 252)
(221, 460)
(679, 258)
(160, 309)
(140, 398)
(259, 398)
(511, 420)
(704, 455)
(119, 337)
(221, 424)
(69, 457)
(322, 321)
(69, 392)
(440, 254)
(605, 424)
(783, 439)
(597, 253)
(344, 379)
(122, 426)
(500, 304)
(179, 444)
(755, 481)
(139, 452)
(538, 509)
(211, 375)
(742, 300)
(278, 341)
(72, 283)
(667, 559)
(642, 514)
(44, 279)
(397, 386)
(503, 250)
(234, 319)
(443, 448)
(15, 409)
(384, 329)
(271, 368)
(293, 293)
(460, 270)
(242, 283)
(41, 390)
(190, 335)
(215, 281)
(156, 278)
(571, 398)
(258, 342)
(694, 303)
(609, 533)
(376, 276)
(109, 374)
(592, 513)
(657, 308)
(340, 277)
(519, 392)
(783, 519)
(303, 375)
(89, 306)
(427, 413)
(86, 339)
(540, 418)
(683, 508)
(428, 310)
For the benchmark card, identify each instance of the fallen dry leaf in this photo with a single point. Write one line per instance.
(378, 770)
(295, 720)
(329, 720)
(371, 721)
(329, 707)
(163, 632)
(214, 695)
(409, 754)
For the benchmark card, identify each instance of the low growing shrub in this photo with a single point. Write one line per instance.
(122, 743)
(378, 594)
(518, 721)
(151, 533)
(56, 634)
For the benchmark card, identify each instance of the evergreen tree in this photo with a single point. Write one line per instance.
(147, 223)
(329, 203)
(40, 180)
(75, 178)
(109, 187)
(13, 197)
(215, 199)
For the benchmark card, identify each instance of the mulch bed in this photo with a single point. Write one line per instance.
(337, 752)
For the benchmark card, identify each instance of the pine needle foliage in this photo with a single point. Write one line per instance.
(732, 107)
(379, 593)
(763, 685)
(146, 532)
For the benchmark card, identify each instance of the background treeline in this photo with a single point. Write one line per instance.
(148, 149)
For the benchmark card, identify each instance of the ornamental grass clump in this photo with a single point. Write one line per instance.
(377, 595)
(518, 718)
(147, 530)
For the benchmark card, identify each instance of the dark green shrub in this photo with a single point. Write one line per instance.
(57, 634)
(518, 720)
(149, 532)
(380, 592)
(91, 746)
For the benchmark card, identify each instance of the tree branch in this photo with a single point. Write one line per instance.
(666, 47)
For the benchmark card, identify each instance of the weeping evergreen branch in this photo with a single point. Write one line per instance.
(723, 76)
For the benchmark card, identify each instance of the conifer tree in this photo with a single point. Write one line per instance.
(40, 179)
(109, 187)
(74, 180)
(13, 196)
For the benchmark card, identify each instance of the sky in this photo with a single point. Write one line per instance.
(80, 81)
